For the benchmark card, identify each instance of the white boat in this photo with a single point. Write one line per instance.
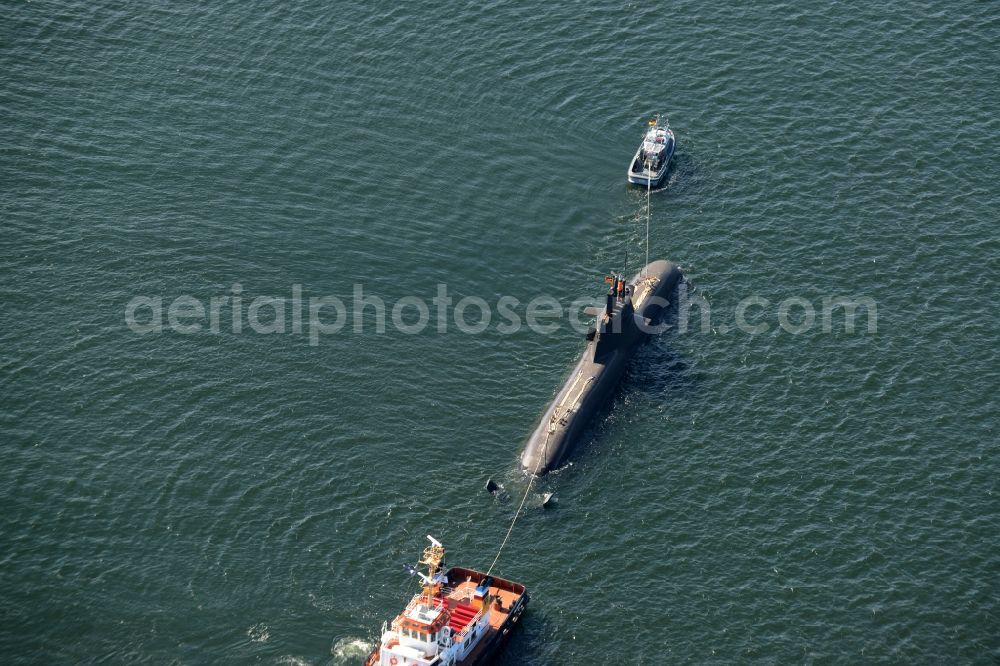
(651, 161)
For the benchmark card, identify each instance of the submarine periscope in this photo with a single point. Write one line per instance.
(628, 317)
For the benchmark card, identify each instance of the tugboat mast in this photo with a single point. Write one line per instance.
(432, 559)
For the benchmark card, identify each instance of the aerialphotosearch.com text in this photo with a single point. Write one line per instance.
(363, 313)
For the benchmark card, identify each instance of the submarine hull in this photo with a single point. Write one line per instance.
(597, 374)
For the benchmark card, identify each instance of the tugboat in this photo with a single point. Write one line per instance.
(460, 618)
(652, 159)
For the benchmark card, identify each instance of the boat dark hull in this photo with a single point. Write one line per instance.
(492, 644)
(596, 376)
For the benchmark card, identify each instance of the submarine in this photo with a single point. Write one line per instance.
(629, 316)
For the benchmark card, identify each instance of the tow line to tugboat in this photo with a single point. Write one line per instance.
(649, 214)
(517, 514)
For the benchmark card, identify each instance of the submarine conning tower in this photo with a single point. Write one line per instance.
(618, 316)
(629, 316)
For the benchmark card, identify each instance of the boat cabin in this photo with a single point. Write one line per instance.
(654, 149)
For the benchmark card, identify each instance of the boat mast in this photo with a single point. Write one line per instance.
(432, 559)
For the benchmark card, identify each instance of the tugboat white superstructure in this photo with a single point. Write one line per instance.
(652, 159)
(460, 618)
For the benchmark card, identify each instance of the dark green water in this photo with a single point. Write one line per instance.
(826, 497)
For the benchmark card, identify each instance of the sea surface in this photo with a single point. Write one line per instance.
(801, 494)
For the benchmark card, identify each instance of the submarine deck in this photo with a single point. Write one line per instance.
(578, 385)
